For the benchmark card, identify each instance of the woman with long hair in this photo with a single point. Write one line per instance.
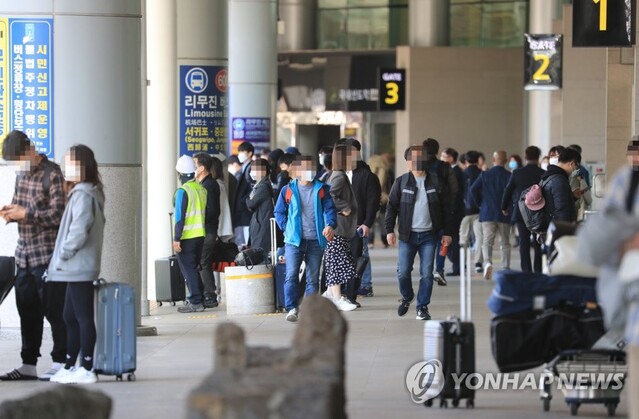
(76, 260)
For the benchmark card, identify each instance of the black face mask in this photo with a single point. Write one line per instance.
(185, 178)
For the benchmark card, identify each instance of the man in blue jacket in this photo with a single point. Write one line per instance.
(306, 213)
(470, 222)
(487, 192)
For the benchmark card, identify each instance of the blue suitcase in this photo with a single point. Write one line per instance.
(519, 292)
(115, 348)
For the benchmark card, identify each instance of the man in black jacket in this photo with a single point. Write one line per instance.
(368, 193)
(450, 155)
(241, 214)
(560, 202)
(203, 163)
(522, 179)
(415, 200)
(470, 222)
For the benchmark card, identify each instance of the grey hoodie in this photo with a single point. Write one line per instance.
(78, 248)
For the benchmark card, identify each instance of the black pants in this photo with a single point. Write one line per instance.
(78, 316)
(206, 267)
(35, 300)
(524, 249)
(353, 284)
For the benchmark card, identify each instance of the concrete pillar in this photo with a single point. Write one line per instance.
(429, 23)
(97, 102)
(180, 32)
(162, 148)
(298, 18)
(252, 59)
(539, 103)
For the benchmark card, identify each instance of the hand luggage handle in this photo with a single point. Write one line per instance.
(465, 298)
(273, 254)
(171, 228)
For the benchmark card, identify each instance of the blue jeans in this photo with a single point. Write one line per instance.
(425, 244)
(189, 261)
(453, 254)
(310, 252)
(367, 279)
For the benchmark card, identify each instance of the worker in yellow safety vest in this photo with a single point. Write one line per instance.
(189, 202)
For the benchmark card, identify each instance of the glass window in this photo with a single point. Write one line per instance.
(504, 24)
(398, 31)
(367, 3)
(332, 29)
(465, 24)
(332, 4)
(368, 28)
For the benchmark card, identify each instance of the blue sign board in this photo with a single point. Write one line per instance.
(203, 109)
(256, 131)
(29, 80)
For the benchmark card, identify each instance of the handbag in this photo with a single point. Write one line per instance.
(251, 257)
(564, 260)
(7, 275)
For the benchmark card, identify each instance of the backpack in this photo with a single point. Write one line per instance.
(289, 194)
(536, 219)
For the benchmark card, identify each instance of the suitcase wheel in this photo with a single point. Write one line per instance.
(443, 403)
(130, 377)
(172, 303)
(455, 403)
(470, 404)
(573, 408)
(612, 407)
(118, 377)
(159, 303)
(428, 403)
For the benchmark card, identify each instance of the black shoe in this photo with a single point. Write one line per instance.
(479, 268)
(403, 306)
(423, 314)
(16, 375)
(452, 273)
(440, 278)
(210, 302)
(356, 303)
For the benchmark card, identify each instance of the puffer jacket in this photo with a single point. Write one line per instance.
(560, 204)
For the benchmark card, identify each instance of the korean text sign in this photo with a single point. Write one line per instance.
(203, 109)
(26, 80)
(256, 131)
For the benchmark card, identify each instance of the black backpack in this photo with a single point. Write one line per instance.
(536, 221)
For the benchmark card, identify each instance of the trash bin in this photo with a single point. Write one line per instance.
(249, 291)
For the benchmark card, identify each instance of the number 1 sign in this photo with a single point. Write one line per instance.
(603, 23)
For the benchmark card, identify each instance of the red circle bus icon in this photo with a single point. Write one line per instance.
(221, 80)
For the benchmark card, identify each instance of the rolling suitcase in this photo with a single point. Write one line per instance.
(115, 347)
(169, 283)
(452, 344)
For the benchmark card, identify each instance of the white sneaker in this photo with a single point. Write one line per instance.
(292, 315)
(344, 305)
(81, 376)
(62, 375)
(55, 367)
(488, 270)
(328, 294)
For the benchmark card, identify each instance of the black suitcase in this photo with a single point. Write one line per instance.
(530, 339)
(169, 284)
(452, 343)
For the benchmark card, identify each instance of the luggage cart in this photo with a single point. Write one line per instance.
(572, 366)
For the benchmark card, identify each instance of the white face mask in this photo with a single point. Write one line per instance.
(72, 173)
(544, 166)
(554, 160)
(322, 158)
(242, 157)
(306, 176)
